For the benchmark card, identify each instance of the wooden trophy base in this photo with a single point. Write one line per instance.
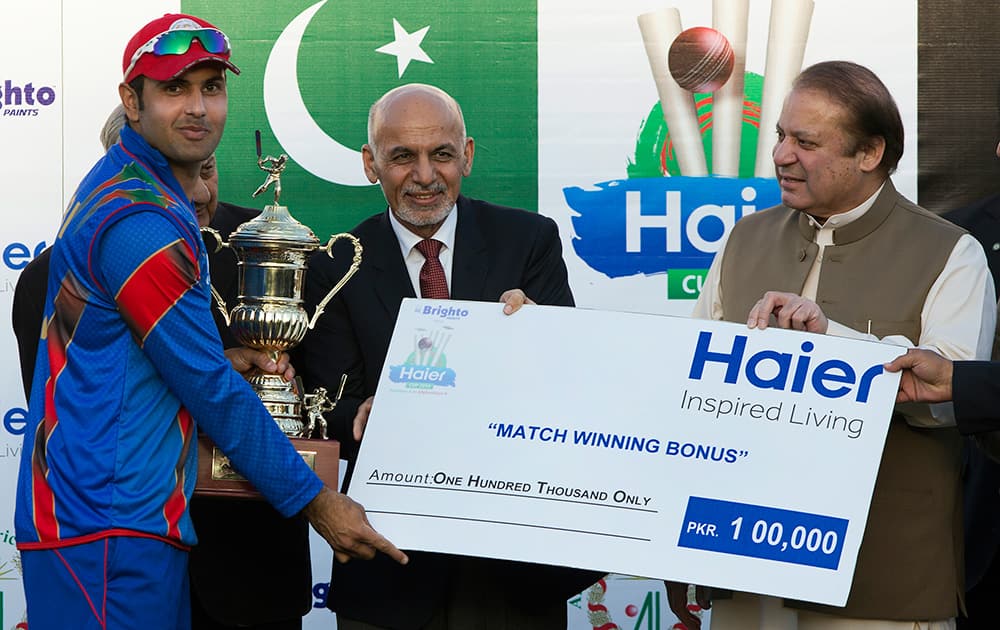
(217, 477)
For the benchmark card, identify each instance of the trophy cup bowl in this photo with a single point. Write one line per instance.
(272, 252)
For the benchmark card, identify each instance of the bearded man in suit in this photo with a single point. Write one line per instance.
(431, 242)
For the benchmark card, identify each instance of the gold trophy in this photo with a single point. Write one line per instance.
(272, 251)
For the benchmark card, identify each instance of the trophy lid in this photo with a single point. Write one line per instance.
(274, 227)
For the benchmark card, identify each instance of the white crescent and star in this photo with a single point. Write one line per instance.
(294, 127)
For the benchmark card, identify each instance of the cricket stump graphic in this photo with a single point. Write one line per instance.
(702, 59)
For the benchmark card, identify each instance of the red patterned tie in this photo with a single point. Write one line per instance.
(433, 284)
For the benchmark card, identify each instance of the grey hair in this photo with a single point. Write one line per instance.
(112, 128)
(378, 106)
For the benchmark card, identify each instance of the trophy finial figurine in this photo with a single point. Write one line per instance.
(273, 166)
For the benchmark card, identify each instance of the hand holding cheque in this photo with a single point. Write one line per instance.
(646, 445)
(925, 376)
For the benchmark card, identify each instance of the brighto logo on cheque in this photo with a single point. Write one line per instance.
(426, 367)
(24, 99)
(443, 311)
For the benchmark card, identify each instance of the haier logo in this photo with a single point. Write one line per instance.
(769, 369)
(16, 255)
(25, 99)
(667, 224)
(15, 421)
(427, 366)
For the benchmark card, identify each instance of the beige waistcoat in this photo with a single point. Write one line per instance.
(875, 277)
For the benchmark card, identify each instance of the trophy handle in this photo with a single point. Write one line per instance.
(355, 263)
(220, 304)
(214, 233)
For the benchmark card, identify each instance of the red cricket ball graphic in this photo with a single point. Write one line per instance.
(700, 59)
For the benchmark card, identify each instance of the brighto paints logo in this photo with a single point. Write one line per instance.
(702, 155)
(442, 311)
(24, 99)
(426, 367)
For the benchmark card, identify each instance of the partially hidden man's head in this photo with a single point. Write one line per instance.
(206, 204)
(112, 129)
(174, 86)
(418, 152)
(840, 135)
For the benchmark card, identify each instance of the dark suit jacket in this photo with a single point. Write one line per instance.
(976, 395)
(977, 392)
(496, 249)
(27, 311)
(250, 565)
(982, 220)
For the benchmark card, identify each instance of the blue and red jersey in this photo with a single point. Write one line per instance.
(130, 365)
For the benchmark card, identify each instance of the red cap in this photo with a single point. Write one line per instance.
(166, 67)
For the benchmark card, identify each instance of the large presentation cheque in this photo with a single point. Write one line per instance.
(644, 445)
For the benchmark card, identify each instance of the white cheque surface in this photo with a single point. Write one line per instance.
(637, 444)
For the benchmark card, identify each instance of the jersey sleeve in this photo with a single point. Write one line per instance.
(145, 263)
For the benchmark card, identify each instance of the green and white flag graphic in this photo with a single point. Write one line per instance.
(311, 70)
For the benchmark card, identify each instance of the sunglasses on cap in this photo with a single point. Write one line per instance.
(178, 42)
